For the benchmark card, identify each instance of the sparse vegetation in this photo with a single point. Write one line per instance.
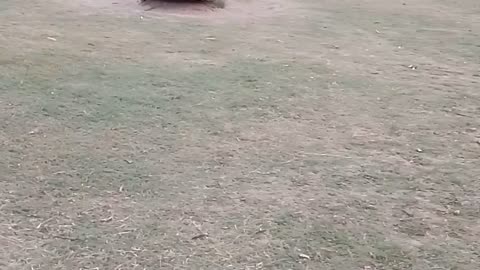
(272, 134)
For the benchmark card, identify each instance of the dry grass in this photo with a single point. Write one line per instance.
(298, 140)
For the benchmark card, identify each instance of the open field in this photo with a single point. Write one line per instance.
(273, 134)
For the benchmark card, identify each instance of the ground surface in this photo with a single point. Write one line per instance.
(276, 134)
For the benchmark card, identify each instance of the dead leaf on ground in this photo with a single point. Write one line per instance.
(200, 236)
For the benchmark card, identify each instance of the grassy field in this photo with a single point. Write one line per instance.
(275, 134)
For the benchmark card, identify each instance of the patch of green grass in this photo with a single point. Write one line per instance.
(337, 247)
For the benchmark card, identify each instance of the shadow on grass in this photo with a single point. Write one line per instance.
(183, 4)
